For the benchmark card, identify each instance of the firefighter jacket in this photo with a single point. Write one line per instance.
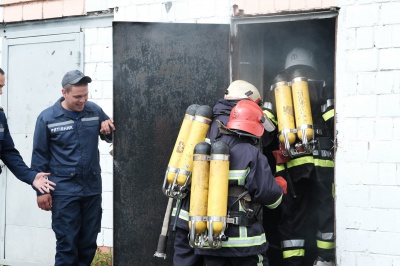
(10, 155)
(66, 146)
(248, 168)
(221, 112)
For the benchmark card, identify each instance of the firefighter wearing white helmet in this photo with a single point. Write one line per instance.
(240, 89)
(304, 158)
(300, 56)
(237, 90)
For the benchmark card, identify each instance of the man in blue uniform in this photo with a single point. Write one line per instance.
(66, 144)
(11, 157)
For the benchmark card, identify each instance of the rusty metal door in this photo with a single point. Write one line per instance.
(159, 70)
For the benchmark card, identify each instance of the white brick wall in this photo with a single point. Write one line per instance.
(368, 110)
(98, 65)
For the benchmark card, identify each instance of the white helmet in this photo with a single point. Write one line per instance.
(300, 56)
(240, 89)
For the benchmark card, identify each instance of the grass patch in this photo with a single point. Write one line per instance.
(103, 257)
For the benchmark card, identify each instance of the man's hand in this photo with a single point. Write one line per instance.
(42, 183)
(45, 202)
(107, 126)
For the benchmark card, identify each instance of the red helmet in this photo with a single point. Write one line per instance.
(247, 116)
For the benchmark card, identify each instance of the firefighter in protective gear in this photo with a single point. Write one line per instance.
(238, 90)
(309, 202)
(249, 175)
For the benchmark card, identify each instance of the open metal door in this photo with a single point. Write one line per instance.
(159, 70)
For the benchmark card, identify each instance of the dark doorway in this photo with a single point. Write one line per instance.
(261, 48)
(260, 51)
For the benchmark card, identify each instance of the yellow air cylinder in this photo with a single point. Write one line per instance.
(198, 131)
(218, 185)
(199, 186)
(284, 109)
(302, 108)
(180, 142)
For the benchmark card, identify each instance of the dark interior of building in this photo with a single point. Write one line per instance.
(267, 44)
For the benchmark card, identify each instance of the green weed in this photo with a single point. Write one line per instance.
(102, 258)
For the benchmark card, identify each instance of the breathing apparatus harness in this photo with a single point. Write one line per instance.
(252, 212)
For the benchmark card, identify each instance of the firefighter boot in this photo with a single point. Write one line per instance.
(319, 261)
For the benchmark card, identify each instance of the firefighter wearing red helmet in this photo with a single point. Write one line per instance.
(251, 186)
(302, 107)
(246, 167)
(245, 118)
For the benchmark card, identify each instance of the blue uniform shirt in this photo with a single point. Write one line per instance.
(10, 155)
(66, 145)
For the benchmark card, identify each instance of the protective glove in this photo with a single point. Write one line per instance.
(282, 183)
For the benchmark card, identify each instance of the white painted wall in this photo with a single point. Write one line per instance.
(182, 11)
